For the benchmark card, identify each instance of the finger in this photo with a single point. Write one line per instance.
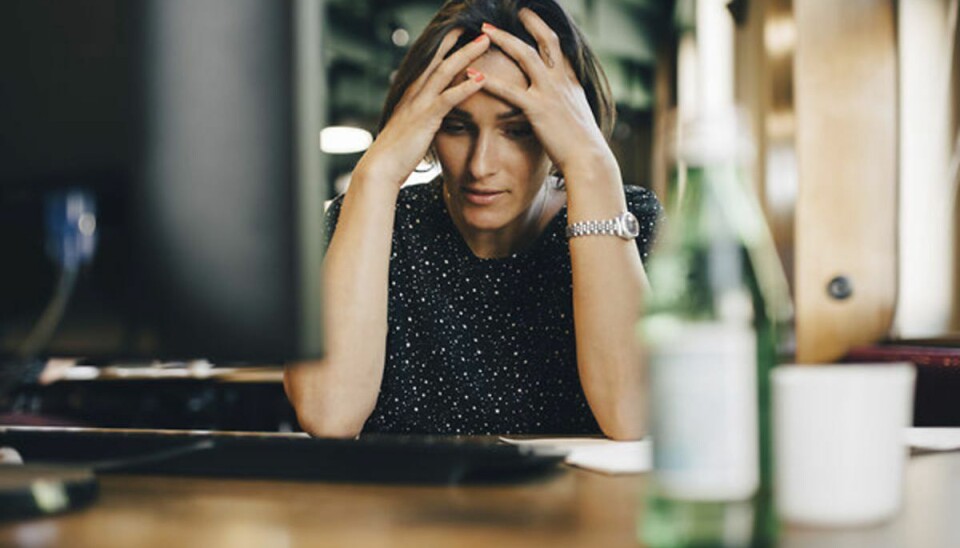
(546, 39)
(454, 65)
(459, 93)
(512, 94)
(445, 46)
(523, 53)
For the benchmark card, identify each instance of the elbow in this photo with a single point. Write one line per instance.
(320, 421)
(623, 420)
(319, 426)
(620, 409)
(623, 432)
(317, 412)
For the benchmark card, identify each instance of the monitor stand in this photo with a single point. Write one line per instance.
(33, 490)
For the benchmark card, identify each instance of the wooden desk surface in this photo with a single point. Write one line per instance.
(572, 508)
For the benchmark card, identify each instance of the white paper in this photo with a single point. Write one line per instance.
(635, 457)
(933, 439)
(599, 455)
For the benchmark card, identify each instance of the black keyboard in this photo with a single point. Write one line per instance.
(369, 459)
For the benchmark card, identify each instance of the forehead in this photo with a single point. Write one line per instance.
(494, 64)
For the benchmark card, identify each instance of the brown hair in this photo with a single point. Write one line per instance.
(469, 15)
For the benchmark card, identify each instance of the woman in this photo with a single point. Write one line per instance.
(461, 306)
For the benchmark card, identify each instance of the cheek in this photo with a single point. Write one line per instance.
(451, 154)
(533, 158)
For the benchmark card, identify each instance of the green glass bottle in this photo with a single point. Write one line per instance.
(717, 303)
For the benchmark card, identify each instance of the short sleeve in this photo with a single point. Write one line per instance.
(645, 206)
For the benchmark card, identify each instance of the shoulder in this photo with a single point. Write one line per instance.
(418, 198)
(646, 207)
(642, 202)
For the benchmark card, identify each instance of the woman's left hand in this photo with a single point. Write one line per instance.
(554, 103)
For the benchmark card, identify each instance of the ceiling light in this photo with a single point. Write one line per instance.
(344, 139)
(400, 37)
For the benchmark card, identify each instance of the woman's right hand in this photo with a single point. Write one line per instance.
(407, 136)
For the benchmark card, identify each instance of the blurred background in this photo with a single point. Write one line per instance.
(854, 117)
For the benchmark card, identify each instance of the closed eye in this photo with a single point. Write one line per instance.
(518, 131)
(454, 127)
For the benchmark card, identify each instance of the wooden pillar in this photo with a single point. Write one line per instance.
(846, 222)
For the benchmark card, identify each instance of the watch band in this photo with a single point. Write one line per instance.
(624, 226)
(592, 228)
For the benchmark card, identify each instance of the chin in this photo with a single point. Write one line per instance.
(485, 219)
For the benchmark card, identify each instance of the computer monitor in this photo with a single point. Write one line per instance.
(161, 183)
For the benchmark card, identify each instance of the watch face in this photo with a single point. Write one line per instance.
(630, 225)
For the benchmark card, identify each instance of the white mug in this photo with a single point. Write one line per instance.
(838, 441)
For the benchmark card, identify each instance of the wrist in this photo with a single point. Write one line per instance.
(381, 168)
(370, 189)
(592, 165)
(594, 189)
(383, 181)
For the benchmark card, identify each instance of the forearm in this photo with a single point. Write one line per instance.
(335, 396)
(608, 281)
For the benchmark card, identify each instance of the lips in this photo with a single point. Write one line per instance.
(480, 196)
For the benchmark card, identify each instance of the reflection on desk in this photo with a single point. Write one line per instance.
(573, 509)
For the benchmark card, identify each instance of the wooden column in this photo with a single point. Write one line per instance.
(846, 229)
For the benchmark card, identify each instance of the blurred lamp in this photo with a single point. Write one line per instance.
(344, 139)
(400, 37)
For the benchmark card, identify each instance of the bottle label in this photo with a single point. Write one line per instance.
(705, 427)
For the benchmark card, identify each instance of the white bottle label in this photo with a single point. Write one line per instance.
(704, 396)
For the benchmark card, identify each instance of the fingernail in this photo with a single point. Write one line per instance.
(486, 27)
(480, 38)
(475, 75)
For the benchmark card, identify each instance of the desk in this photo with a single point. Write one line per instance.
(572, 508)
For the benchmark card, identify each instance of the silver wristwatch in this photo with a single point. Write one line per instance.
(624, 226)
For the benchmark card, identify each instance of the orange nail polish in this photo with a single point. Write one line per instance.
(475, 75)
(479, 38)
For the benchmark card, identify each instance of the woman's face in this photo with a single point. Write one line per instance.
(493, 165)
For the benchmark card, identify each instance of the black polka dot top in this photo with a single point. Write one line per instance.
(481, 346)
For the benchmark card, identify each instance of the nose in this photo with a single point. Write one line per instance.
(483, 159)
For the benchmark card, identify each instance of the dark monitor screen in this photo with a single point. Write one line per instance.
(160, 182)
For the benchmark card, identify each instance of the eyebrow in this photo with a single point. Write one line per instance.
(502, 116)
(510, 114)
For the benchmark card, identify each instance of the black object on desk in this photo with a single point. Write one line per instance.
(35, 490)
(368, 459)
